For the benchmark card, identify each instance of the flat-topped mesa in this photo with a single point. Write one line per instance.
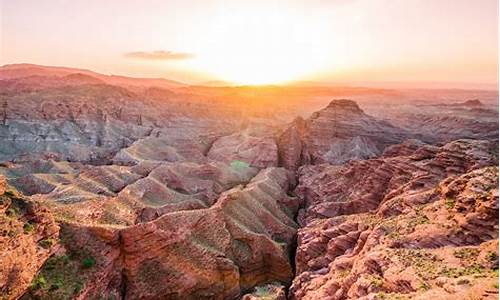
(336, 134)
(344, 106)
(472, 103)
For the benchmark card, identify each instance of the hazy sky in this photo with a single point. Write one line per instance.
(353, 41)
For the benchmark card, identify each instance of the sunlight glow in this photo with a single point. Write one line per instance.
(247, 46)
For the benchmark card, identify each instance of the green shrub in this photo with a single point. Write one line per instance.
(12, 212)
(466, 253)
(450, 203)
(88, 262)
(78, 286)
(491, 256)
(28, 227)
(46, 243)
(39, 282)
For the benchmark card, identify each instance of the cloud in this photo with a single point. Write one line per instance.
(159, 55)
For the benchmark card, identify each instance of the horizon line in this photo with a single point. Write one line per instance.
(388, 85)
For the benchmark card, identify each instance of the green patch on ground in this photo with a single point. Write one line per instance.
(466, 254)
(46, 243)
(238, 165)
(449, 203)
(63, 275)
(426, 265)
(475, 269)
(492, 257)
(375, 281)
(29, 227)
(60, 278)
(344, 272)
(398, 226)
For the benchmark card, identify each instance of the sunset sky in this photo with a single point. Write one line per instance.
(450, 43)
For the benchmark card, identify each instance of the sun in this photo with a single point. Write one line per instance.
(254, 47)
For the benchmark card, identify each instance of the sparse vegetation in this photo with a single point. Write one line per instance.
(390, 296)
(420, 219)
(449, 203)
(88, 262)
(344, 273)
(425, 264)
(12, 212)
(492, 256)
(474, 269)
(39, 282)
(375, 281)
(28, 227)
(424, 286)
(61, 277)
(266, 292)
(46, 243)
(466, 253)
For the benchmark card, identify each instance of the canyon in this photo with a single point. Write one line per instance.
(127, 188)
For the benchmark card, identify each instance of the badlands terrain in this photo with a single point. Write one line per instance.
(125, 188)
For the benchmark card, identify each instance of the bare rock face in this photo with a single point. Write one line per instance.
(169, 148)
(260, 152)
(336, 134)
(241, 241)
(293, 151)
(171, 187)
(418, 226)
(28, 236)
(123, 195)
(144, 189)
(361, 186)
(439, 123)
(76, 118)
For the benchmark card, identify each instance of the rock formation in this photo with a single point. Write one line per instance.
(401, 226)
(336, 134)
(260, 152)
(28, 236)
(124, 188)
(241, 241)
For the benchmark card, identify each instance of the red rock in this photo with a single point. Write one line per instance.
(28, 236)
(336, 134)
(422, 218)
(260, 152)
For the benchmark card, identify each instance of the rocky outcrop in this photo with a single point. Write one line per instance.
(400, 226)
(92, 122)
(336, 134)
(259, 152)
(132, 189)
(172, 148)
(171, 187)
(243, 240)
(28, 236)
(439, 123)
(127, 195)
(362, 186)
